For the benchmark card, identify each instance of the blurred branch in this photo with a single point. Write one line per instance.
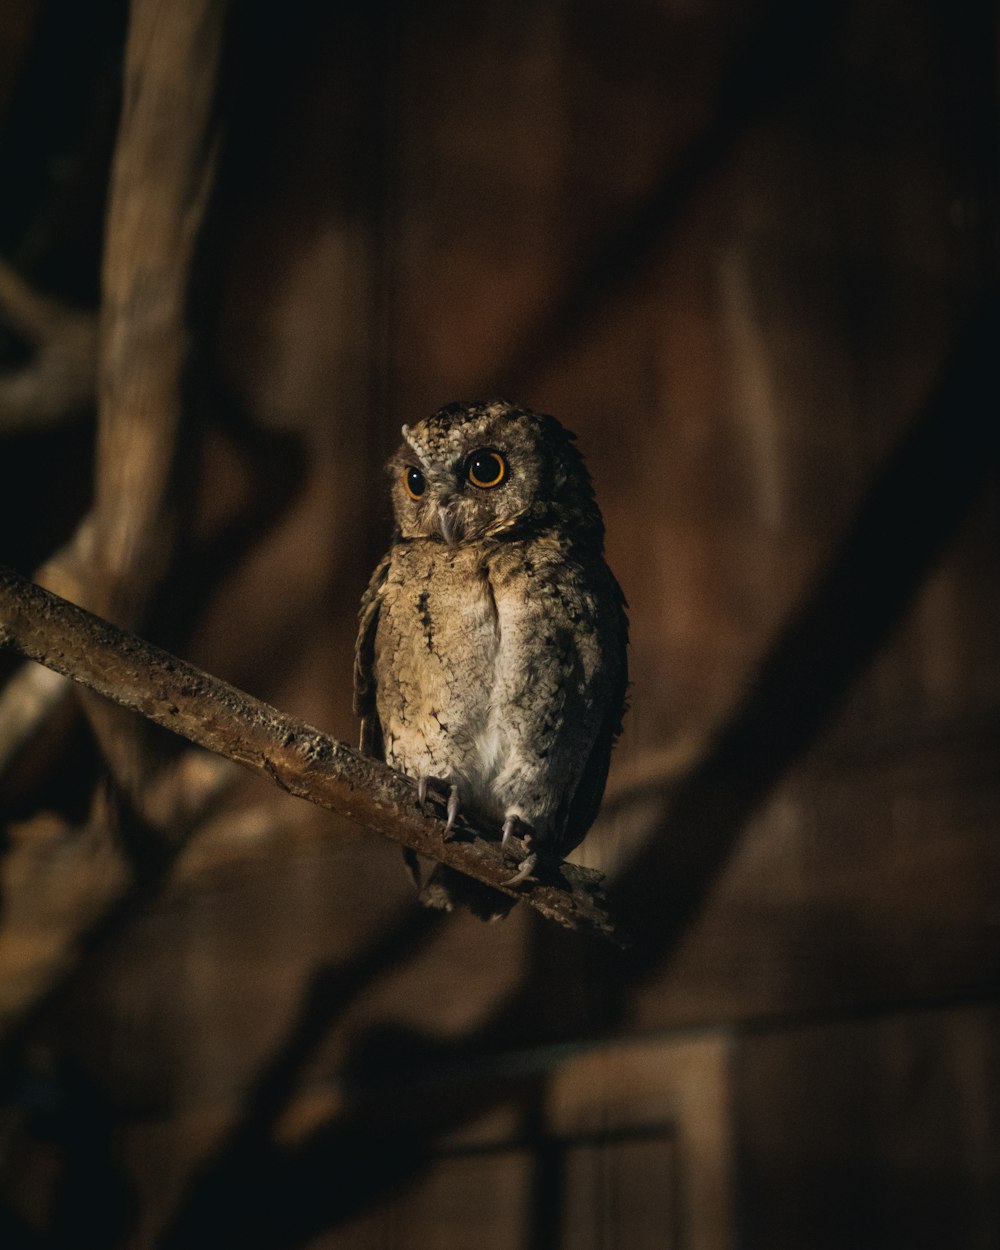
(297, 757)
(163, 170)
(68, 886)
(162, 173)
(34, 694)
(35, 317)
(58, 879)
(27, 701)
(58, 380)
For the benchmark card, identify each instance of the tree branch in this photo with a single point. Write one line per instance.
(57, 383)
(33, 694)
(297, 757)
(161, 178)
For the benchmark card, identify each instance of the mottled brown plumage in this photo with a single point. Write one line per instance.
(491, 652)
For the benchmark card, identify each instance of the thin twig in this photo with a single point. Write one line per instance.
(57, 382)
(299, 758)
(34, 316)
(27, 702)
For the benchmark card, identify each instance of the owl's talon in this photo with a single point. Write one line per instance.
(524, 872)
(517, 848)
(452, 810)
(424, 789)
(513, 845)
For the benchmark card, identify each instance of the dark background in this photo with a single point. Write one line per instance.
(748, 252)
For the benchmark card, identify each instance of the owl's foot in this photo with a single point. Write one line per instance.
(518, 847)
(451, 803)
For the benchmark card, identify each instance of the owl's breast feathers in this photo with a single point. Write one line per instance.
(499, 666)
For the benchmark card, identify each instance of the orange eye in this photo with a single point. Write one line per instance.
(414, 481)
(486, 468)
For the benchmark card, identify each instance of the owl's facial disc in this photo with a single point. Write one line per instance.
(470, 472)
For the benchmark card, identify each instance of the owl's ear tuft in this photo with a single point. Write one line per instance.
(407, 434)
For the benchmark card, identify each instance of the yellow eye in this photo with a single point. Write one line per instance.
(414, 481)
(486, 468)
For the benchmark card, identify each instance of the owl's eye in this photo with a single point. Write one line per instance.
(415, 482)
(486, 468)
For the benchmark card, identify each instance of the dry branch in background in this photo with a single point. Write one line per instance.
(162, 174)
(163, 171)
(299, 758)
(161, 179)
(57, 383)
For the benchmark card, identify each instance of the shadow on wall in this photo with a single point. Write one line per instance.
(261, 1195)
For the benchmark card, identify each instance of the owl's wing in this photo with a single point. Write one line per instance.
(586, 800)
(364, 664)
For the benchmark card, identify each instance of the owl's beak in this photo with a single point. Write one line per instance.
(449, 531)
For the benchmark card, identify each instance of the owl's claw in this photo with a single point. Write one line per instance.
(510, 843)
(524, 872)
(517, 848)
(451, 803)
(452, 810)
(423, 784)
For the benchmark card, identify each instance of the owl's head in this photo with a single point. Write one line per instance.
(473, 471)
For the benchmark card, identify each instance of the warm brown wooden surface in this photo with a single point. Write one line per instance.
(734, 247)
(910, 1159)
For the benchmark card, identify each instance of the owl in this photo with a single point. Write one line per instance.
(491, 655)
